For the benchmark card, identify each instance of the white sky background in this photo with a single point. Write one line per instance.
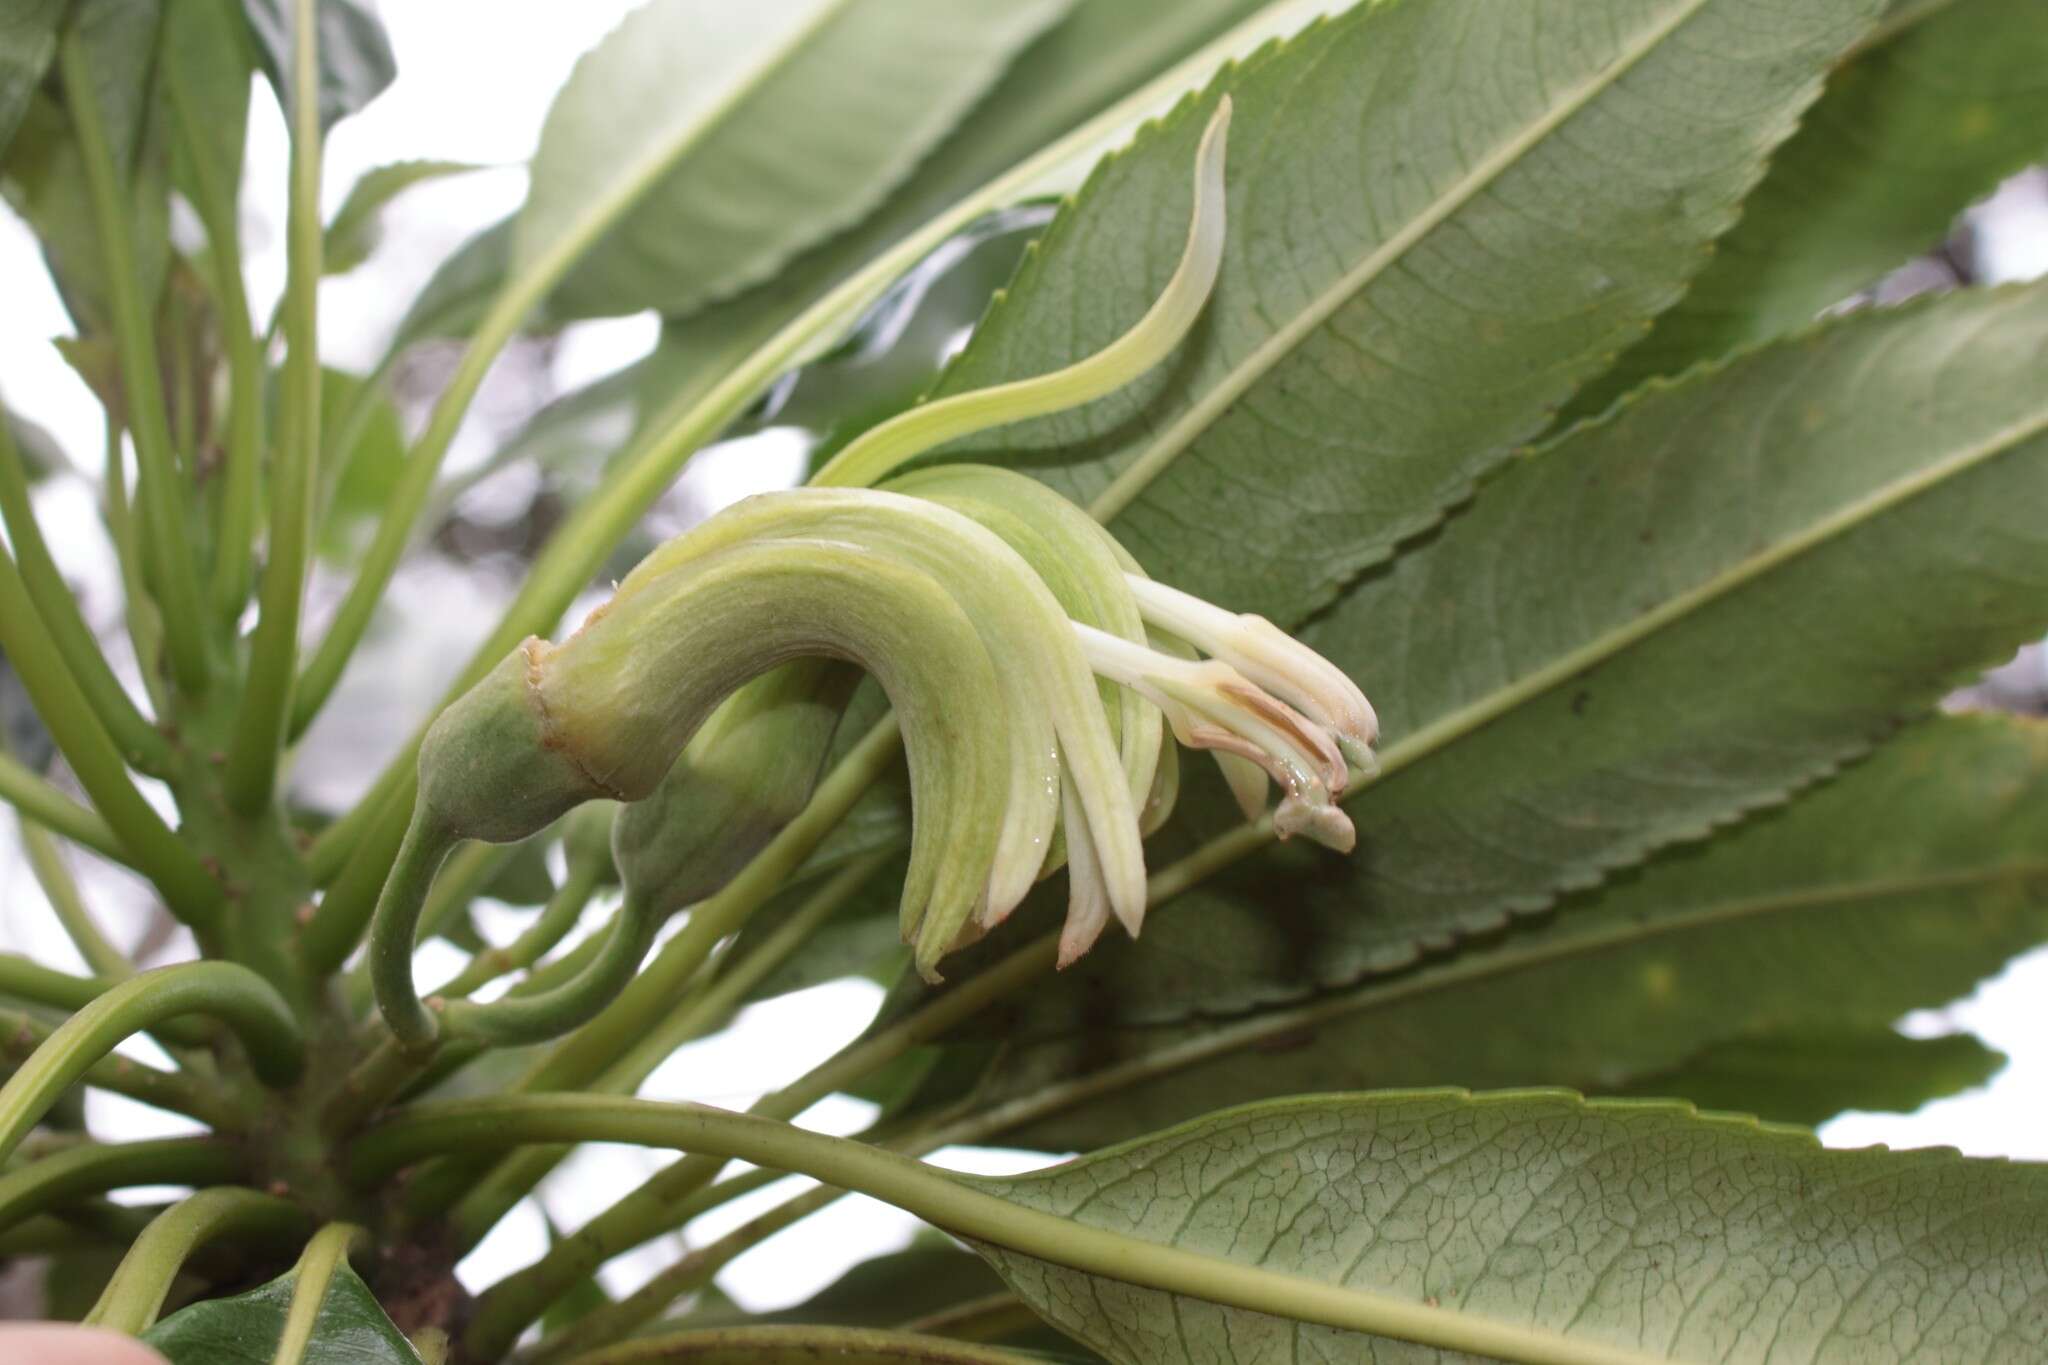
(474, 80)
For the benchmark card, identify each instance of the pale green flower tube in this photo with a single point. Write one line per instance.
(1085, 569)
(1055, 710)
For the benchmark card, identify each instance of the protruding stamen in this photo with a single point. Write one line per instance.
(1271, 658)
(1211, 705)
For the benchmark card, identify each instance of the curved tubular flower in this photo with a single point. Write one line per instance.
(606, 713)
(1237, 706)
(1085, 568)
(888, 447)
(1054, 709)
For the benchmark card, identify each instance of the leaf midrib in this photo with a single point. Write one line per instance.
(1469, 969)
(1176, 439)
(1457, 724)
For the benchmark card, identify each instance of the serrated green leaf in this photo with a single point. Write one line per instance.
(1617, 1224)
(1895, 886)
(891, 355)
(352, 1328)
(28, 43)
(1099, 52)
(355, 54)
(1081, 66)
(1653, 626)
(1808, 1078)
(357, 226)
(701, 145)
(1443, 217)
(1906, 136)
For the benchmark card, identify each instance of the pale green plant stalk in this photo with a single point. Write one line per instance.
(253, 755)
(176, 576)
(135, 1295)
(967, 1213)
(314, 1275)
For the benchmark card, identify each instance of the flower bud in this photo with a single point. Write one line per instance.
(745, 774)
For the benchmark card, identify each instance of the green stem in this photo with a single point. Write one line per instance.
(519, 297)
(795, 1345)
(450, 1060)
(135, 1295)
(643, 1004)
(397, 930)
(25, 979)
(345, 911)
(347, 431)
(21, 1035)
(713, 1006)
(63, 1177)
(311, 1279)
(177, 578)
(461, 879)
(561, 914)
(42, 803)
(150, 846)
(31, 981)
(216, 195)
(498, 1320)
(650, 996)
(50, 1233)
(252, 764)
(248, 1003)
(965, 1212)
(145, 625)
(46, 861)
(654, 1206)
(139, 741)
(695, 1270)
